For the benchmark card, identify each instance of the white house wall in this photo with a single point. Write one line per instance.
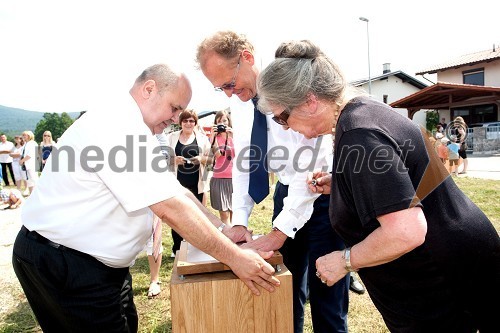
(395, 89)
(491, 74)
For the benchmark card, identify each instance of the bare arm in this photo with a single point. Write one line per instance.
(399, 233)
(196, 224)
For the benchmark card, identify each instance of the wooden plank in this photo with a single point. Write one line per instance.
(186, 267)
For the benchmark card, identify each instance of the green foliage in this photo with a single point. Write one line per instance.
(14, 121)
(431, 120)
(53, 122)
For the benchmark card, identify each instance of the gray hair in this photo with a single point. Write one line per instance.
(300, 68)
(227, 44)
(162, 74)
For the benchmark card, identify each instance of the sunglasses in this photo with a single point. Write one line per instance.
(232, 84)
(282, 118)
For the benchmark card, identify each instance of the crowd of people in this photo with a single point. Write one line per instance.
(23, 160)
(416, 241)
(451, 145)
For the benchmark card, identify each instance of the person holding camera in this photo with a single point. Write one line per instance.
(191, 149)
(221, 183)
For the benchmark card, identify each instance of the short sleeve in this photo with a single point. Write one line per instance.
(371, 170)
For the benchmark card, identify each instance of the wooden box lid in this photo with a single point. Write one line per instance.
(191, 260)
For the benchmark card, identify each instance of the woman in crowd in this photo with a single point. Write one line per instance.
(221, 185)
(28, 160)
(16, 157)
(191, 150)
(459, 128)
(417, 241)
(46, 148)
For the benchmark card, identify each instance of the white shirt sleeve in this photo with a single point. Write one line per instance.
(298, 206)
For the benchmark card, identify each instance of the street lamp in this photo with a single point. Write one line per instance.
(364, 19)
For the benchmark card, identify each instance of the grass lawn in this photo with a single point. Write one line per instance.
(154, 314)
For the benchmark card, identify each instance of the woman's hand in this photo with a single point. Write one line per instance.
(330, 268)
(179, 160)
(319, 182)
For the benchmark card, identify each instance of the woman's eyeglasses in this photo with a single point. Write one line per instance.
(232, 84)
(192, 121)
(282, 118)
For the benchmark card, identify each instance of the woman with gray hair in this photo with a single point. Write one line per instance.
(415, 239)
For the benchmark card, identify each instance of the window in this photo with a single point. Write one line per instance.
(474, 76)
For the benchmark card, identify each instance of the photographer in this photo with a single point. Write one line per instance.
(221, 185)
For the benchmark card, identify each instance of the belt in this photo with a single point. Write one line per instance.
(40, 239)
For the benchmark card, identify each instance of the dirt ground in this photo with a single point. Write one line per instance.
(10, 290)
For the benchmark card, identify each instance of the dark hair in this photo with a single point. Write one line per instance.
(220, 114)
(186, 114)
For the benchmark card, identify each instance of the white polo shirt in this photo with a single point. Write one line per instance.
(100, 207)
(7, 146)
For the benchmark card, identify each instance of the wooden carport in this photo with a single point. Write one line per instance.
(448, 95)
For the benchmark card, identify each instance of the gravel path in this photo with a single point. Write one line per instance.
(10, 290)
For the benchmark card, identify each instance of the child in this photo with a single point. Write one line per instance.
(453, 156)
(12, 198)
(442, 150)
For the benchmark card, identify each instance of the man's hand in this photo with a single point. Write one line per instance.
(271, 242)
(238, 233)
(319, 182)
(252, 268)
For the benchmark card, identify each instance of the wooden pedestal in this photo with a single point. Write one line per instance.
(219, 302)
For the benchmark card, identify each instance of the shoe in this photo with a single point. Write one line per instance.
(356, 286)
(154, 289)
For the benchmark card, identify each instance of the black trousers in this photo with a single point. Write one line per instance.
(70, 291)
(316, 238)
(5, 177)
(177, 239)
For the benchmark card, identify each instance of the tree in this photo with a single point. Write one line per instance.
(56, 123)
(431, 120)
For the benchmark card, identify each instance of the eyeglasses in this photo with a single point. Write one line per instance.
(282, 118)
(189, 121)
(232, 84)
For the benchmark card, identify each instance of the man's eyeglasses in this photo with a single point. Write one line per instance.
(232, 84)
(282, 118)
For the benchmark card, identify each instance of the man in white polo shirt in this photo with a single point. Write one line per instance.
(6, 160)
(91, 212)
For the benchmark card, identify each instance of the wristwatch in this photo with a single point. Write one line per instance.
(221, 227)
(347, 256)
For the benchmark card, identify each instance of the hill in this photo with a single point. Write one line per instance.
(14, 121)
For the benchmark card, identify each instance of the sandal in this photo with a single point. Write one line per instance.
(154, 289)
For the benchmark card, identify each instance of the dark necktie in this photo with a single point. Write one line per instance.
(258, 186)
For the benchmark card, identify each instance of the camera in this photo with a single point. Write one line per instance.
(221, 128)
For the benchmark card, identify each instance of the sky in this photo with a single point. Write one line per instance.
(65, 56)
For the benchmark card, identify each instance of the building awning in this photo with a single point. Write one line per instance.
(444, 95)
